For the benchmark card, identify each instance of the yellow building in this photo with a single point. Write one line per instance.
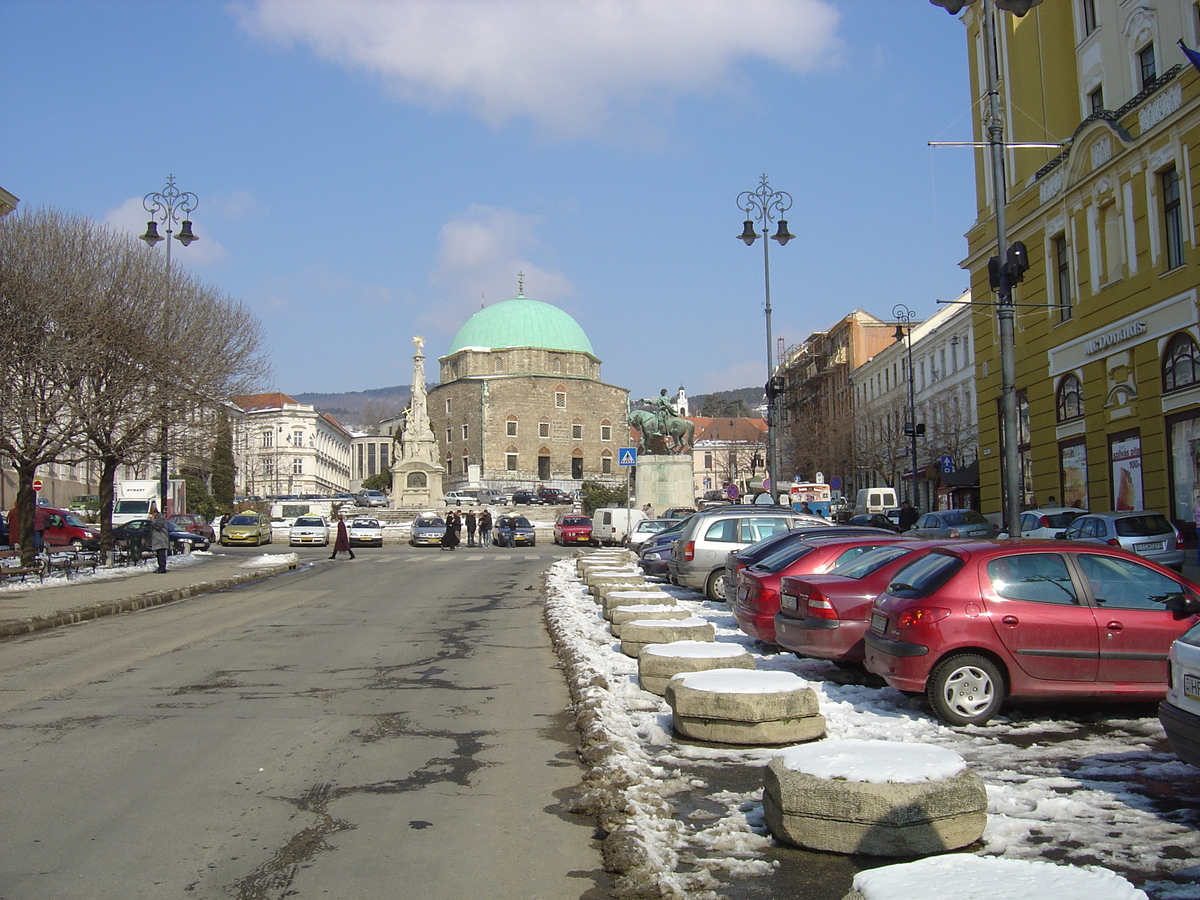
(1107, 336)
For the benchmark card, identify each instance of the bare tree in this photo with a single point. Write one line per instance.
(881, 443)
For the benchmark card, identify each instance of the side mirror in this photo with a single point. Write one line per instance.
(1061, 536)
(1182, 605)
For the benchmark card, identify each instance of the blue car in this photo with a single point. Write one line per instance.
(514, 531)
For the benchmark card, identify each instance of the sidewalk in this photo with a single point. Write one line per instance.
(32, 606)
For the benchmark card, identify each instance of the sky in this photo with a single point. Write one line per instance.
(372, 170)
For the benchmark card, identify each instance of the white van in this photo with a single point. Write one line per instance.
(611, 525)
(875, 500)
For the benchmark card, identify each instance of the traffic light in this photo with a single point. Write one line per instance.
(774, 387)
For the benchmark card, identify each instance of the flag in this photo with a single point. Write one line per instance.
(1192, 55)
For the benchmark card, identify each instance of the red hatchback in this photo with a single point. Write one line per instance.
(757, 598)
(572, 530)
(972, 623)
(826, 616)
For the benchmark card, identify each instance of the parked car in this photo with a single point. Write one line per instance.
(874, 520)
(1048, 522)
(84, 503)
(825, 616)
(1145, 532)
(365, 531)
(972, 623)
(65, 529)
(952, 523)
(553, 496)
(137, 533)
(195, 523)
(491, 497)
(569, 529)
(1179, 713)
(807, 528)
(513, 531)
(644, 529)
(713, 498)
(467, 496)
(370, 498)
(677, 512)
(612, 524)
(247, 528)
(309, 530)
(526, 498)
(698, 556)
(655, 554)
(757, 596)
(427, 530)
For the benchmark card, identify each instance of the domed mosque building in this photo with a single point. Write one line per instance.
(521, 404)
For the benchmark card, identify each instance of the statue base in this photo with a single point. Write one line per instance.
(416, 485)
(665, 481)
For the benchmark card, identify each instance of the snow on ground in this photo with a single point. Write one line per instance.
(1083, 786)
(60, 578)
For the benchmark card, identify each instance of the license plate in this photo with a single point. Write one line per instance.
(788, 601)
(1152, 545)
(879, 623)
(743, 592)
(1191, 686)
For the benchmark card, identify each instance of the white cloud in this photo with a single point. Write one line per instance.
(132, 217)
(479, 257)
(569, 67)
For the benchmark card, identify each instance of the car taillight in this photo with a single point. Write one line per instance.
(819, 606)
(920, 615)
(1113, 542)
(689, 551)
(954, 532)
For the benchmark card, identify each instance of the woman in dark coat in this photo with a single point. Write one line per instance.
(343, 540)
(450, 538)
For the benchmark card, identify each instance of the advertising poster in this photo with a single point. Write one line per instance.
(1072, 461)
(1126, 456)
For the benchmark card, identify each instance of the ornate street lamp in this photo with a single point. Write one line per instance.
(168, 206)
(764, 205)
(1004, 277)
(904, 316)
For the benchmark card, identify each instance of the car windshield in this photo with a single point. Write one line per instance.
(519, 522)
(244, 520)
(870, 562)
(651, 526)
(577, 520)
(435, 522)
(1143, 526)
(365, 523)
(309, 522)
(923, 576)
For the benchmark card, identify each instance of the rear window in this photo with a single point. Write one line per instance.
(1143, 526)
(964, 517)
(781, 559)
(1059, 520)
(923, 576)
(869, 562)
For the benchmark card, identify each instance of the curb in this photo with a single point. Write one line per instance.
(11, 627)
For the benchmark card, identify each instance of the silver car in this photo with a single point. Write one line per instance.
(370, 498)
(952, 523)
(308, 530)
(1144, 532)
(427, 530)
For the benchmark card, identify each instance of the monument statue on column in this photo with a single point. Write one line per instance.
(416, 475)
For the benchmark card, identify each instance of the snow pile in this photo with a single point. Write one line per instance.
(271, 559)
(742, 681)
(874, 762)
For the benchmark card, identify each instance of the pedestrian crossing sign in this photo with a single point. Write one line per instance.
(627, 456)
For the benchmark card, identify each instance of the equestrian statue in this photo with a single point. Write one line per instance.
(663, 424)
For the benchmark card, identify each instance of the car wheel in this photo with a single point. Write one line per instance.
(77, 545)
(966, 689)
(533, 543)
(714, 586)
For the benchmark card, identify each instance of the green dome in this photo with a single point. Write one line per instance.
(521, 322)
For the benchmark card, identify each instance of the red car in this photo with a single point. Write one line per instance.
(573, 530)
(757, 598)
(974, 622)
(826, 616)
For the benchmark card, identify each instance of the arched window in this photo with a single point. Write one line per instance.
(1181, 363)
(1069, 399)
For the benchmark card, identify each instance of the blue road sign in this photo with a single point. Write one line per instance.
(947, 463)
(627, 456)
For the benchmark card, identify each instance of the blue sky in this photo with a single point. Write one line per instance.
(371, 170)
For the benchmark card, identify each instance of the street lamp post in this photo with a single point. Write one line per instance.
(764, 205)
(902, 314)
(167, 206)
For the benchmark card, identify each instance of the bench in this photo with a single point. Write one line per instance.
(12, 567)
(70, 561)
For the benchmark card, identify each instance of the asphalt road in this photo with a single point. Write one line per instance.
(392, 726)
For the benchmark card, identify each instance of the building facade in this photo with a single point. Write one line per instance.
(521, 403)
(291, 449)
(1107, 328)
(728, 449)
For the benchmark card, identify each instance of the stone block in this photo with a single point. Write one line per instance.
(924, 810)
(637, 634)
(601, 590)
(622, 614)
(593, 574)
(613, 599)
(658, 663)
(601, 557)
(736, 706)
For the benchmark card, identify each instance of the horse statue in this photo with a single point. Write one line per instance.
(680, 432)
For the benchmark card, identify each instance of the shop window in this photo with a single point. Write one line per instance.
(1069, 399)
(1181, 363)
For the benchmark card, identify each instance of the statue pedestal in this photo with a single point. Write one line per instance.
(416, 485)
(665, 481)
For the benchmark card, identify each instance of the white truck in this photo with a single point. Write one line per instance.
(133, 499)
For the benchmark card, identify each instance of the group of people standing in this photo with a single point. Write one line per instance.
(481, 524)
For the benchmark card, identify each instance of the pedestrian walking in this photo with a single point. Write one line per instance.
(471, 524)
(39, 528)
(343, 539)
(450, 537)
(221, 527)
(485, 528)
(160, 538)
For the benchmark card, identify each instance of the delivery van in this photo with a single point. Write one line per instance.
(612, 524)
(875, 500)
